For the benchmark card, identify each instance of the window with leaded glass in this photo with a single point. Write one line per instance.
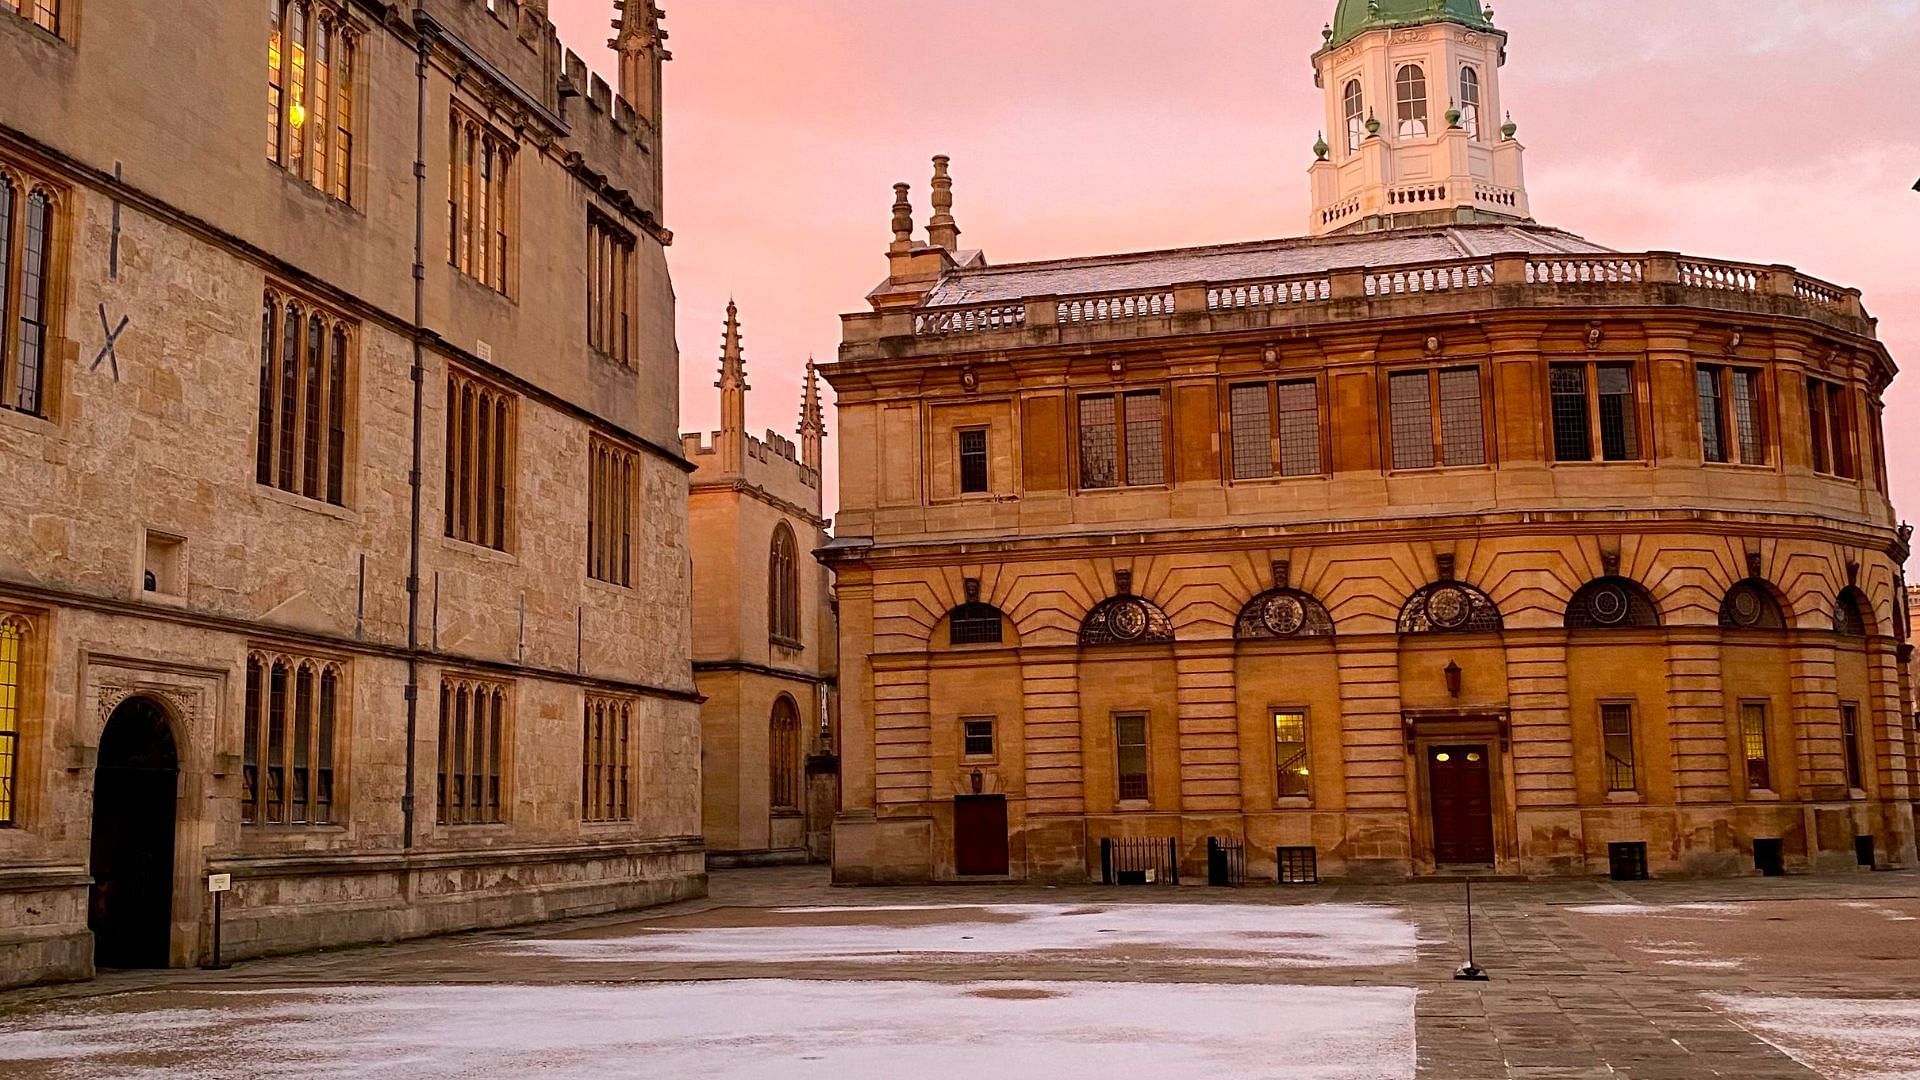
(479, 207)
(472, 750)
(1292, 777)
(1448, 428)
(15, 631)
(311, 57)
(783, 587)
(44, 14)
(1130, 755)
(783, 755)
(976, 737)
(610, 288)
(1470, 102)
(605, 779)
(28, 215)
(479, 460)
(1616, 733)
(1275, 429)
(1753, 744)
(1831, 429)
(1594, 406)
(1733, 415)
(296, 708)
(1353, 103)
(612, 475)
(301, 434)
(1410, 95)
(973, 461)
(1850, 740)
(1122, 440)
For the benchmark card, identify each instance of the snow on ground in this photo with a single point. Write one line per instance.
(1240, 935)
(1664, 911)
(772, 1029)
(1840, 1038)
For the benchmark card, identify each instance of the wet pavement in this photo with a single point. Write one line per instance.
(778, 974)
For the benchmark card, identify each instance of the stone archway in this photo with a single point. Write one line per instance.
(135, 788)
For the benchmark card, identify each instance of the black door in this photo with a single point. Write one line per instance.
(130, 907)
(980, 835)
(1461, 780)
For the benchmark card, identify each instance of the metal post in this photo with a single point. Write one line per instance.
(1469, 971)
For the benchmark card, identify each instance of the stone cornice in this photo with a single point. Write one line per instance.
(760, 494)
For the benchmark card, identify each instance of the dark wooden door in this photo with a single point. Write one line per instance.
(130, 907)
(980, 835)
(1461, 780)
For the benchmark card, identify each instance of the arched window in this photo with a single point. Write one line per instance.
(13, 656)
(1752, 605)
(1354, 103)
(783, 587)
(1450, 607)
(1283, 613)
(1126, 620)
(975, 624)
(1611, 603)
(1852, 614)
(1410, 93)
(783, 755)
(1470, 102)
(295, 705)
(24, 299)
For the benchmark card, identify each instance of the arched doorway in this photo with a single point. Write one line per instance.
(130, 907)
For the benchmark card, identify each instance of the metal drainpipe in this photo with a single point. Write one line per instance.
(423, 27)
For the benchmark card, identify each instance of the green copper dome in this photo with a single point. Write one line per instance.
(1355, 17)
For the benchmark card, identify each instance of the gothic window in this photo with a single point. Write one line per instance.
(975, 623)
(1353, 104)
(1831, 429)
(1470, 102)
(1732, 415)
(1850, 614)
(1616, 733)
(1611, 603)
(1594, 407)
(1410, 94)
(310, 72)
(301, 435)
(1448, 428)
(610, 496)
(1283, 613)
(1292, 777)
(1126, 620)
(783, 587)
(479, 461)
(1122, 440)
(45, 14)
(605, 736)
(479, 211)
(1754, 745)
(1275, 429)
(610, 288)
(783, 755)
(295, 709)
(14, 634)
(1446, 607)
(1130, 756)
(26, 284)
(1751, 605)
(974, 477)
(473, 731)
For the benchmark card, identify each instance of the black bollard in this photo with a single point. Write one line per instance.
(1469, 971)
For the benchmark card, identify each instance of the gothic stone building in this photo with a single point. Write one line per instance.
(1437, 539)
(763, 638)
(344, 546)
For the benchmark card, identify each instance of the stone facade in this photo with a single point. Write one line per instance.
(163, 566)
(767, 747)
(1413, 548)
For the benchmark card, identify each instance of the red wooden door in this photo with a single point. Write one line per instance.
(1461, 781)
(980, 835)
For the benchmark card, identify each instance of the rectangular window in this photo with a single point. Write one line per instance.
(1616, 731)
(1275, 423)
(1733, 415)
(1831, 429)
(479, 210)
(473, 728)
(13, 665)
(1748, 421)
(310, 50)
(1753, 741)
(1594, 405)
(973, 461)
(611, 472)
(610, 288)
(1713, 421)
(1139, 458)
(605, 780)
(1292, 778)
(302, 429)
(291, 730)
(1572, 439)
(1251, 420)
(1299, 407)
(1850, 737)
(44, 13)
(27, 303)
(1130, 753)
(977, 737)
(1450, 430)
(1619, 412)
(479, 461)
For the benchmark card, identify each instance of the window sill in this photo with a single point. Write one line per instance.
(1624, 797)
(1293, 802)
(1429, 470)
(49, 36)
(610, 825)
(473, 826)
(1122, 489)
(793, 644)
(1762, 795)
(786, 813)
(302, 502)
(985, 761)
(266, 829)
(1736, 466)
(1124, 806)
(1275, 481)
(476, 285)
(163, 599)
(479, 551)
(1608, 464)
(306, 190)
(33, 423)
(611, 588)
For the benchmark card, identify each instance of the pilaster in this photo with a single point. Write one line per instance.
(1209, 733)
(1050, 691)
(1696, 705)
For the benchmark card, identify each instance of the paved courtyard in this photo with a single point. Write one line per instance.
(779, 975)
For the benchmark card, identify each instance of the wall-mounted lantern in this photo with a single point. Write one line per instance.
(1453, 680)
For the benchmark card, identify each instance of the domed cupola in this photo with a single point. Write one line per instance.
(1415, 118)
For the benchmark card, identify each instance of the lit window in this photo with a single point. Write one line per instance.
(973, 461)
(610, 489)
(302, 431)
(479, 461)
(605, 783)
(473, 729)
(478, 208)
(1410, 92)
(44, 13)
(1355, 106)
(1292, 777)
(1616, 730)
(1130, 755)
(1470, 102)
(294, 707)
(609, 288)
(1732, 415)
(310, 71)
(1109, 460)
(13, 663)
(1594, 405)
(977, 737)
(1450, 430)
(1753, 741)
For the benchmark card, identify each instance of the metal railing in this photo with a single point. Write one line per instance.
(1139, 861)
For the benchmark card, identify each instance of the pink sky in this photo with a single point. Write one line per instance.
(1775, 131)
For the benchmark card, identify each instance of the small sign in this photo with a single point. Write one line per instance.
(219, 883)
(483, 350)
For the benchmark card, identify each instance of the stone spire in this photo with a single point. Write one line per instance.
(942, 230)
(641, 44)
(813, 419)
(733, 393)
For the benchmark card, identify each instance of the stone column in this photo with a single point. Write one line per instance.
(1546, 803)
(1373, 749)
(1893, 756)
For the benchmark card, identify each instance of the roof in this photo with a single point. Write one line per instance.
(1355, 17)
(1241, 262)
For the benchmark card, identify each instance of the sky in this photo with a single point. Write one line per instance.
(1771, 131)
